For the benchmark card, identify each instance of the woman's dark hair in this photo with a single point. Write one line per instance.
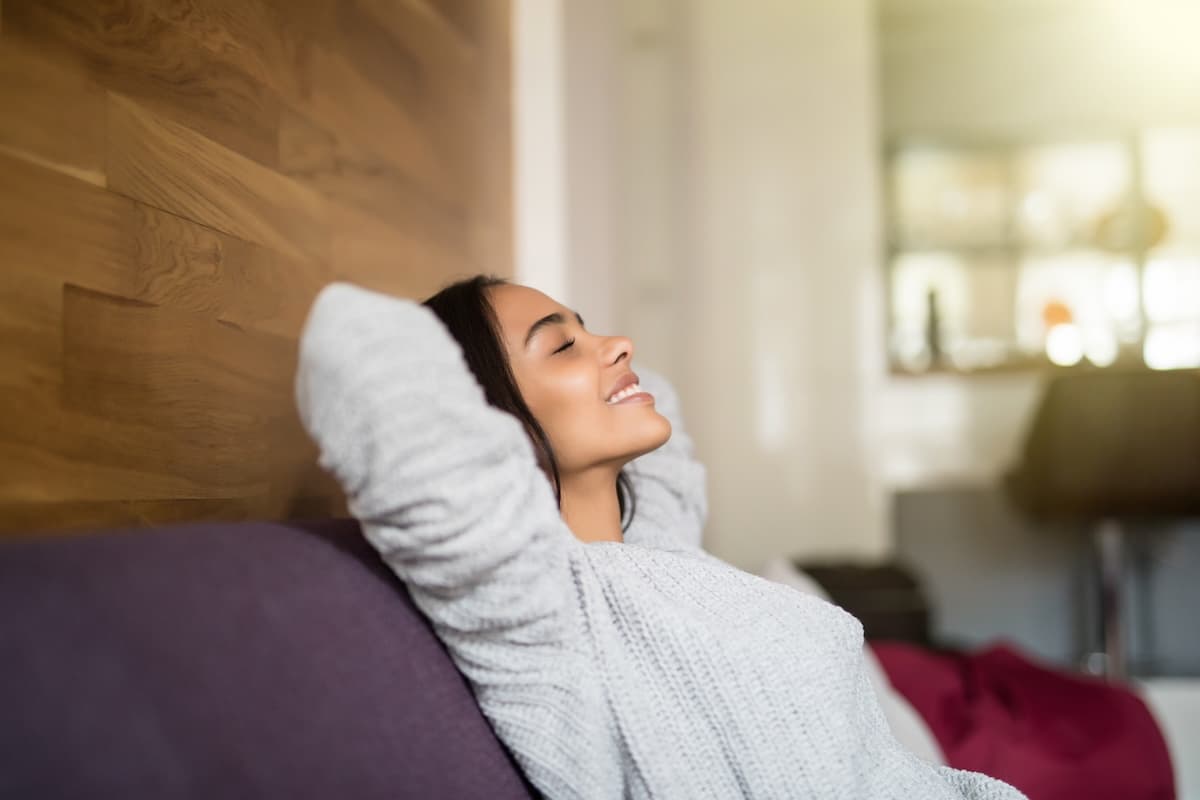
(468, 315)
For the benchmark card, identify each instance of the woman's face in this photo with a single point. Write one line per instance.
(566, 376)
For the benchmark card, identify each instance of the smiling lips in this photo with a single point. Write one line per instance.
(630, 391)
(627, 389)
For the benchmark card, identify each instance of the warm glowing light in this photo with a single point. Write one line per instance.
(1055, 313)
(1100, 347)
(1171, 287)
(1121, 292)
(1175, 347)
(1064, 345)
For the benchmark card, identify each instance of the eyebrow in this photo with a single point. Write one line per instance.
(550, 319)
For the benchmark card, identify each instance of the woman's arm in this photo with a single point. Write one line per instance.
(445, 486)
(669, 483)
(975, 786)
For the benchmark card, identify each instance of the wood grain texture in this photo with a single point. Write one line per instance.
(338, 92)
(53, 228)
(181, 264)
(178, 178)
(355, 177)
(131, 49)
(265, 39)
(66, 135)
(172, 167)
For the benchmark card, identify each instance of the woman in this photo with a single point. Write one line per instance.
(546, 518)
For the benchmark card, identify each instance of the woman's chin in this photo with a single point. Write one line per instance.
(637, 434)
(651, 435)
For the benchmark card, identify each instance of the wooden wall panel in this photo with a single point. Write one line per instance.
(177, 181)
(357, 178)
(181, 264)
(130, 48)
(172, 167)
(67, 135)
(54, 229)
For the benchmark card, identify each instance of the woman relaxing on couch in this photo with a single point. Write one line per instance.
(541, 502)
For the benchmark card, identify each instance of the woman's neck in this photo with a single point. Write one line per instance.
(590, 506)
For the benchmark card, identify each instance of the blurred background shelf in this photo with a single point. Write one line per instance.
(1071, 251)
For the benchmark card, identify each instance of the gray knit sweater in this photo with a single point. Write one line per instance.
(643, 669)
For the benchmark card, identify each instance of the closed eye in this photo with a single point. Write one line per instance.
(565, 346)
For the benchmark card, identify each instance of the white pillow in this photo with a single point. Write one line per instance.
(906, 724)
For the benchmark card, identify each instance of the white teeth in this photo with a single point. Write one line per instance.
(633, 388)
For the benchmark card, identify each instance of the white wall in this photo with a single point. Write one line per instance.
(539, 147)
(784, 337)
(591, 65)
(567, 72)
(654, 288)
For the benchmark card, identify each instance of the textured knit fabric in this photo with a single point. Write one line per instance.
(642, 669)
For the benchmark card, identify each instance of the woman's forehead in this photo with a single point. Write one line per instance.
(518, 307)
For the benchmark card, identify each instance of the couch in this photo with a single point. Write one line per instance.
(248, 660)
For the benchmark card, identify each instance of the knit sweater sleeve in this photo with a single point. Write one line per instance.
(669, 483)
(445, 486)
(976, 786)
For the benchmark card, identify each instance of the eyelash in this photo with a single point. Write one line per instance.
(565, 346)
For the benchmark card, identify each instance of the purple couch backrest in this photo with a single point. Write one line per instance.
(229, 661)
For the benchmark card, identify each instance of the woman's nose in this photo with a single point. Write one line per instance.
(616, 348)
